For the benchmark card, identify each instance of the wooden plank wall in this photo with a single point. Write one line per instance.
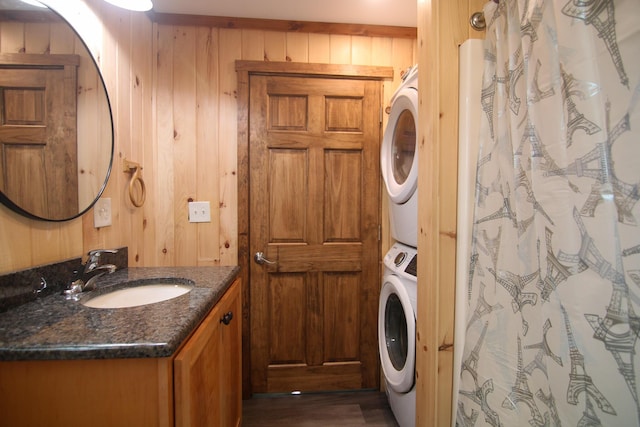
(442, 28)
(121, 43)
(23, 242)
(172, 90)
(195, 74)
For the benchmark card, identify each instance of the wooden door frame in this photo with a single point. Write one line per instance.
(244, 69)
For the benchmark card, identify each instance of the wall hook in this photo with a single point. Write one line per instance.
(477, 21)
(136, 175)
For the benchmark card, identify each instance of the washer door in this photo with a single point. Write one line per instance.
(397, 335)
(398, 155)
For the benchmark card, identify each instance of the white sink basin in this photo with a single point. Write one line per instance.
(138, 295)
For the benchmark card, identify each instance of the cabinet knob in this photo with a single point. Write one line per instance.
(226, 319)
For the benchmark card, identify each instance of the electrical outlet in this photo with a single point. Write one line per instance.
(102, 213)
(199, 212)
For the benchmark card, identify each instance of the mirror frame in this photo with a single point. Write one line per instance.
(21, 211)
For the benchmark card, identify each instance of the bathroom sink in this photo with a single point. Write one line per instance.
(149, 292)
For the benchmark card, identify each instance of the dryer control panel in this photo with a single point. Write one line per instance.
(402, 260)
(412, 267)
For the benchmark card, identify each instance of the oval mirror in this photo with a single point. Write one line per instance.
(56, 128)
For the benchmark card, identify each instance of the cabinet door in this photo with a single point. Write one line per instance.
(231, 360)
(196, 373)
(207, 371)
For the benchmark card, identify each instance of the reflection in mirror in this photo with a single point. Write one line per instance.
(56, 132)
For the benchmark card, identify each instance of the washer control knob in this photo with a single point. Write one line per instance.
(399, 258)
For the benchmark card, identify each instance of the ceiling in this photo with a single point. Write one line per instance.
(374, 12)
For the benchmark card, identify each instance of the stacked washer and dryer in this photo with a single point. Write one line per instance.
(398, 296)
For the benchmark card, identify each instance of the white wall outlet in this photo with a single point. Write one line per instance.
(102, 213)
(199, 212)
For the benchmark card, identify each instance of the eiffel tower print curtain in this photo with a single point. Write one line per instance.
(553, 297)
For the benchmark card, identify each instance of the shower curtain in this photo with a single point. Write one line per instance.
(553, 294)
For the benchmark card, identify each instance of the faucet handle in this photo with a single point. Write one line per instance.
(95, 254)
(94, 258)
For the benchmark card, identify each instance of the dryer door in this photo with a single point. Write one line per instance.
(398, 155)
(397, 335)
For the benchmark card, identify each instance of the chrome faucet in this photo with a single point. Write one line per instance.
(92, 270)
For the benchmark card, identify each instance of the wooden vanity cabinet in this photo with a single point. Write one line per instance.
(81, 393)
(208, 368)
(200, 386)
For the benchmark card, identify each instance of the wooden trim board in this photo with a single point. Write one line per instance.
(283, 25)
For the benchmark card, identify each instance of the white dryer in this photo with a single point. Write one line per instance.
(399, 160)
(397, 331)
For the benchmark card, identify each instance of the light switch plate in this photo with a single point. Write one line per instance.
(199, 212)
(102, 213)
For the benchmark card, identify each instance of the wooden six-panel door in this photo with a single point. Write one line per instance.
(314, 214)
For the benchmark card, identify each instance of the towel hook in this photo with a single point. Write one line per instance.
(477, 21)
(136, 176)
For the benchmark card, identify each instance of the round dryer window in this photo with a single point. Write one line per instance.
(398, 157)
(404, 146)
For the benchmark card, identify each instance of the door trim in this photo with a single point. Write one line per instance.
(244, 69)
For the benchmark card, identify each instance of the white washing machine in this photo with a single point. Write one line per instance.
(397, 331)
(399, 160)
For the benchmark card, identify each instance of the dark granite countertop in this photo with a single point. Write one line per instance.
(52, 327)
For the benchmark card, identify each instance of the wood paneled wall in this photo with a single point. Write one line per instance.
(121, 43)
(173, 96)
(23, 242)
(195, 74)
(442, 28)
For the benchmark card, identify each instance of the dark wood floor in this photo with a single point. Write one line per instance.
(358, 408)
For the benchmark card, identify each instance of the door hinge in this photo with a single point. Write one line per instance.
(381, 113)
(379, 232)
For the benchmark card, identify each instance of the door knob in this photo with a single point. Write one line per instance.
(260, 259)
